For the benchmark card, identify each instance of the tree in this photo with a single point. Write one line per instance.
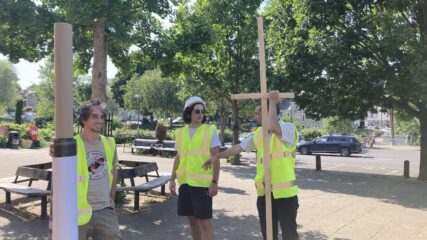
(212, 48)
(336, 125)
(19, 111)
(100, 28)
(153, 93)
(45, 91)
(343, 58)
(407, 125)
(9, 85)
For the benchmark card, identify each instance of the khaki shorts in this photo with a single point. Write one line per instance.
(103, 225)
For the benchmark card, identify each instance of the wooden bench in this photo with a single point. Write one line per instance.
(148, 171)
(29, 174)
(153, 146)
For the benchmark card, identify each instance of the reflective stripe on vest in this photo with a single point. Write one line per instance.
(84, 208)
(276, 186)
(192, 154)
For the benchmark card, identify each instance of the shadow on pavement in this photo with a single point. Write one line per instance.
(338, 156)
(17, 229)
(391, 189)
(313, 235)
(230, 190)
(240, 171)
(162, 222)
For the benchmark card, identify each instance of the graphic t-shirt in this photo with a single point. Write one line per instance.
(98, 193)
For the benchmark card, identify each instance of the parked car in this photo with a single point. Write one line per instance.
(344, 145)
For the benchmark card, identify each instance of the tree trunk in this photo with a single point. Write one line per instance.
(423, 145)
(99, 67)
(235, 115)
(223, 120)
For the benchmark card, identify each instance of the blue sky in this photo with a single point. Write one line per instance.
(28, 73)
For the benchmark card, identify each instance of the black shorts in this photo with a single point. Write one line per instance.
(194, 201)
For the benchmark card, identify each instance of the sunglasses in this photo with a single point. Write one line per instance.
(197, 111)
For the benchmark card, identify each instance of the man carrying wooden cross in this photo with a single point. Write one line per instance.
(283, 142)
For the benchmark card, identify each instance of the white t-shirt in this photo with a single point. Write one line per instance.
(288, 137)
(215, 138)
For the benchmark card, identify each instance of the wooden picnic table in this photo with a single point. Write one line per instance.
(29, 173)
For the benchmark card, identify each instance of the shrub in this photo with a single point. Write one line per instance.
(3, 141)
(46, 134)
(128, 135)
(228, 135)
(311, 133)
(42, 122)
(21, 128)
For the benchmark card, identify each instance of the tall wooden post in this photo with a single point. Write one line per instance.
(265, 134)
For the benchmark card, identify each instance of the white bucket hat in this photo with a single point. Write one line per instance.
(193, 100)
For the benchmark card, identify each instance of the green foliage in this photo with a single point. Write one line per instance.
(346, 57)
(334, 125)
(311, 133)
(3, 141)
(296, 123)
(21, 128)
(406, 125)
(41, 122)
(27, 29)
(211, 49)
(128, 135)
(150, 92)
(228, 135)
(46, 134)
(36, 144)
(45, 91)
(19, 111)
(9, 85)
(117, 123)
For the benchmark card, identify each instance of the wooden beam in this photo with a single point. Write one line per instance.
(259, 95)
(265, 136)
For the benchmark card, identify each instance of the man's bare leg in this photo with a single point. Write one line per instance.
(196, 231)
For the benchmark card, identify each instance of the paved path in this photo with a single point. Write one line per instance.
(345, 202)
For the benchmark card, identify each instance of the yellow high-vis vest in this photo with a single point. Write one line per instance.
(193, 153)
(282, 163)
(84, 208)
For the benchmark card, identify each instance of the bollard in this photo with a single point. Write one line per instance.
(318, 163)
(406, 169)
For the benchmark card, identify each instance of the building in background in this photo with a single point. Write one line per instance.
(290, 109)
(29, 98)
(378, 120)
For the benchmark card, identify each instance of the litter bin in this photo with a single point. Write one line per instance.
(13, 141)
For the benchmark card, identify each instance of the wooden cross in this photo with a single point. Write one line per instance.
(265, 135)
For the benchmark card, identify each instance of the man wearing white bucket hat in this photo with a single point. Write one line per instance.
(196, 142)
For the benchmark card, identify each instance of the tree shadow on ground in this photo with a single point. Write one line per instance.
(390, 189)
(232, 190)
(240, 171)
(162, 222)
(313, 235)
(339, 156)
(12, 227)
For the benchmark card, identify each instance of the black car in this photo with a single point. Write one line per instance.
(344, 145)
